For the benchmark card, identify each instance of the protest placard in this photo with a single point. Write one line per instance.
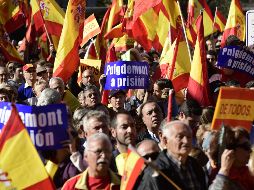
(235, 107)
(126, 75)
(46, 125)
(237, 58)
(92, 64)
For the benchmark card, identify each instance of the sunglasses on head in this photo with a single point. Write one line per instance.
(152, 156)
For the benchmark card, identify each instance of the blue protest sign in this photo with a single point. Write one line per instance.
(237, 58)
(46, 125)
(126, 75)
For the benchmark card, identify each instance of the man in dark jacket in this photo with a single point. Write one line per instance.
(182, 171)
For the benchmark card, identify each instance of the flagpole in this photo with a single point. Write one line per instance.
(214, 19)
(44, 25)
(184, 30)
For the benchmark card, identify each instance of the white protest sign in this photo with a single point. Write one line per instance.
(250, 28)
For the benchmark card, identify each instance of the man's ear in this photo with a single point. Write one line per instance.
(113, 132)
(164, 140)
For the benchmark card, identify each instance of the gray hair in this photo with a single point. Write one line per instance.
(57, 79)
(91, 87)
(49, 96)
(97, 137)
(94, 114)
(166, 127)
(78, 116)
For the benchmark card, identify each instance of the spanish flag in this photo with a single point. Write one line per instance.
(20, 170)
(67, 57)
(12, 15)
(9, 51)
(134, 165)
(220, 21)
(47, 12)
(198, 88)
(235, 22)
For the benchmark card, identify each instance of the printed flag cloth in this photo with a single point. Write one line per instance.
(220, 21)
(12, 14)
(91, 29)
(50, 13)
(235, 22)
(198, 88)
(20, 170)
(67, 57)
(134, 165)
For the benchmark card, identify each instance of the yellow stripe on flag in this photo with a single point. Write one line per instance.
(18, 159)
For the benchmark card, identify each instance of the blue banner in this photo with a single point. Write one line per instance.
(126, 75)
(46, 125)
(237, 58)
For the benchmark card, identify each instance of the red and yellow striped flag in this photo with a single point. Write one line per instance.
(235, 22)
(12, 15)
(20, 170)
(134, 165)
(198, 88)
(50, 13)
(67, 57)
(220, 21)
(9, 51)
(91, 29)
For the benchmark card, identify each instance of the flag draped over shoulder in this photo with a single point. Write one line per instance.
(67, 57)
(134, 164)
(198, 88)
(20, 170)
(235, 22)
(12, 14)
(50, 13)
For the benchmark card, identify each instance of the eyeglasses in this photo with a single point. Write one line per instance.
(245, 146)
(152, 156)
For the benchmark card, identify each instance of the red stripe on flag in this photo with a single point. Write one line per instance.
(15, 22)
(69, 64)
(198, 92)
(38, 22)
(135, 173)
(181, 82)
(156, 44)
(244, 94)
(226, 33)
(45, 184)
(233, 123)
(238, 4)
(54, 28)
(221, 17)
(9, 130)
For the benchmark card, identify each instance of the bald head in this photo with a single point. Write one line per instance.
(177, 136)
(148, 147)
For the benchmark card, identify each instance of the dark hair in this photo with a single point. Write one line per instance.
(148, 102)
(232, 83)
(234, 135)
(49, 65)
(16, 66)
(113, 123)
(207, 115)
(190, 107)
(211, 52)
(164, 83)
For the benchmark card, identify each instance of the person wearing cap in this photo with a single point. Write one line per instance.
(42, 74)
(117, 100)
(25, 91)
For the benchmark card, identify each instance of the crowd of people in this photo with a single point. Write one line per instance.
(186, 149)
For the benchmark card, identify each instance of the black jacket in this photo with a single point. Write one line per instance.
(156, 182)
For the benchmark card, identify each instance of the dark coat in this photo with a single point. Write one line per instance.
(151, 182)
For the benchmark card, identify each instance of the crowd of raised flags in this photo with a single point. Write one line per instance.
(152, 25)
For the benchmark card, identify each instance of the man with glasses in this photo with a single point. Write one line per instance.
(97, 154)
